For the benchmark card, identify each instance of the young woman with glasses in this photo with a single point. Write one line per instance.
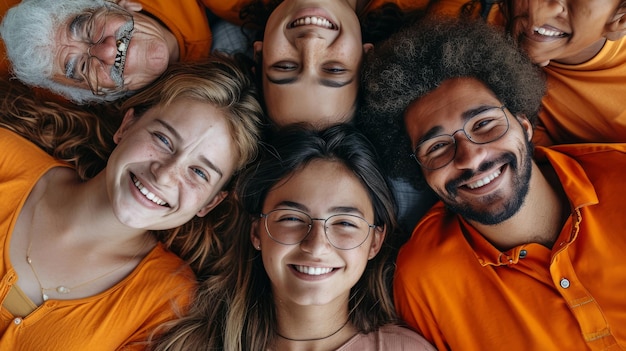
(309, 269)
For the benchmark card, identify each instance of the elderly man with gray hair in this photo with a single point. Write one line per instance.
(98, 50)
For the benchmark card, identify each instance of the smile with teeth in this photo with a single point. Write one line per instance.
(313, 20)
(482, 182)
(548, 32)
(150, 196)
(313, 270)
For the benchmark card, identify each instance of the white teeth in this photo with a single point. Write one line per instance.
(312, 20)
(547, 32)
(150, 196)
(484, 181)
(313, 270)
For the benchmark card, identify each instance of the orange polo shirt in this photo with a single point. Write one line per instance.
(462, 293)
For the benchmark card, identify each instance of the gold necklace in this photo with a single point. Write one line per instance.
(62, 289)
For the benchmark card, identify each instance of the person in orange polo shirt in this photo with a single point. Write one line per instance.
(525, 249)
(98, 50)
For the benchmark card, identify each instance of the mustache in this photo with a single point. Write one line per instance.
(453, 185)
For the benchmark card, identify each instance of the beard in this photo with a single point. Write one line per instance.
(491, 215)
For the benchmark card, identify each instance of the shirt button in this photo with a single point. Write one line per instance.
(17, 321)
(522, 253)
(564, 283)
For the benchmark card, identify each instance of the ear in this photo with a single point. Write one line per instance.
(367, 47)
(254, 235)
(216, 200)
(130, 5)
(616, 27)
(377, 241)
(257, 47)
(526, 125)
(129, 119)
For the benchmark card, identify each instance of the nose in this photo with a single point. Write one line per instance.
(310, 45)
(166, 173)
(105, 51)
(547, 9)
(468, 155)
(316, 241)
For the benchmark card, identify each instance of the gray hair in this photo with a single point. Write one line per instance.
(28, 30)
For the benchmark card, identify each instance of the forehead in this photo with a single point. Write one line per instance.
(318, 105)
(446, 103)
(320, 185)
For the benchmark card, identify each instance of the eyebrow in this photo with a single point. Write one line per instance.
(325, 82)
(336, 209)
(177, 136)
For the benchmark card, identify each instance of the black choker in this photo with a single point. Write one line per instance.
(315, 339)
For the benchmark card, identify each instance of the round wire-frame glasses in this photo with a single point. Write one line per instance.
(291, 227)
(484, 127)
(89, 27)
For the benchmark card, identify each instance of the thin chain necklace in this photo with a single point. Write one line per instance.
(62, 289)
(315, 339)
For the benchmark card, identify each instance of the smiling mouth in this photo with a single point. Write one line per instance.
(124, 35)
(549, 32)
(313, 270)
(313, 21)
(149, 195)
(486, 180)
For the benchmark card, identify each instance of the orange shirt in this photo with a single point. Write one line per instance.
(120, 318)
(462, 293)
(584, 102)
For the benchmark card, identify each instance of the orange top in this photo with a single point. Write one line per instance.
(584, 102)
(462, 293)
(120, 318)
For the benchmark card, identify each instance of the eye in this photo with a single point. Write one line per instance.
(290, 218)
(335, 70)
(164, 140)
(437, 146)
(200, 173)
(285, 66)
(482, 123)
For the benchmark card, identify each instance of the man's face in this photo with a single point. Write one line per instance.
(486, 183)
(110, 49)
(567, 31)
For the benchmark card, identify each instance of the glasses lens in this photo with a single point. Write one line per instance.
(346, 231)
(287, 226)
(91, 28)
(436, 152)
(487, 127)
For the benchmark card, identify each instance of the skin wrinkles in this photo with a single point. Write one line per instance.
(150, 50)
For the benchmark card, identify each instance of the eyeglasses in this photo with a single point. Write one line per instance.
(89, 27)
(483, 128)
(290, 227)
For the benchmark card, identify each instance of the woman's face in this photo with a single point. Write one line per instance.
(170, 164)
(312, 53)
(314, 272)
